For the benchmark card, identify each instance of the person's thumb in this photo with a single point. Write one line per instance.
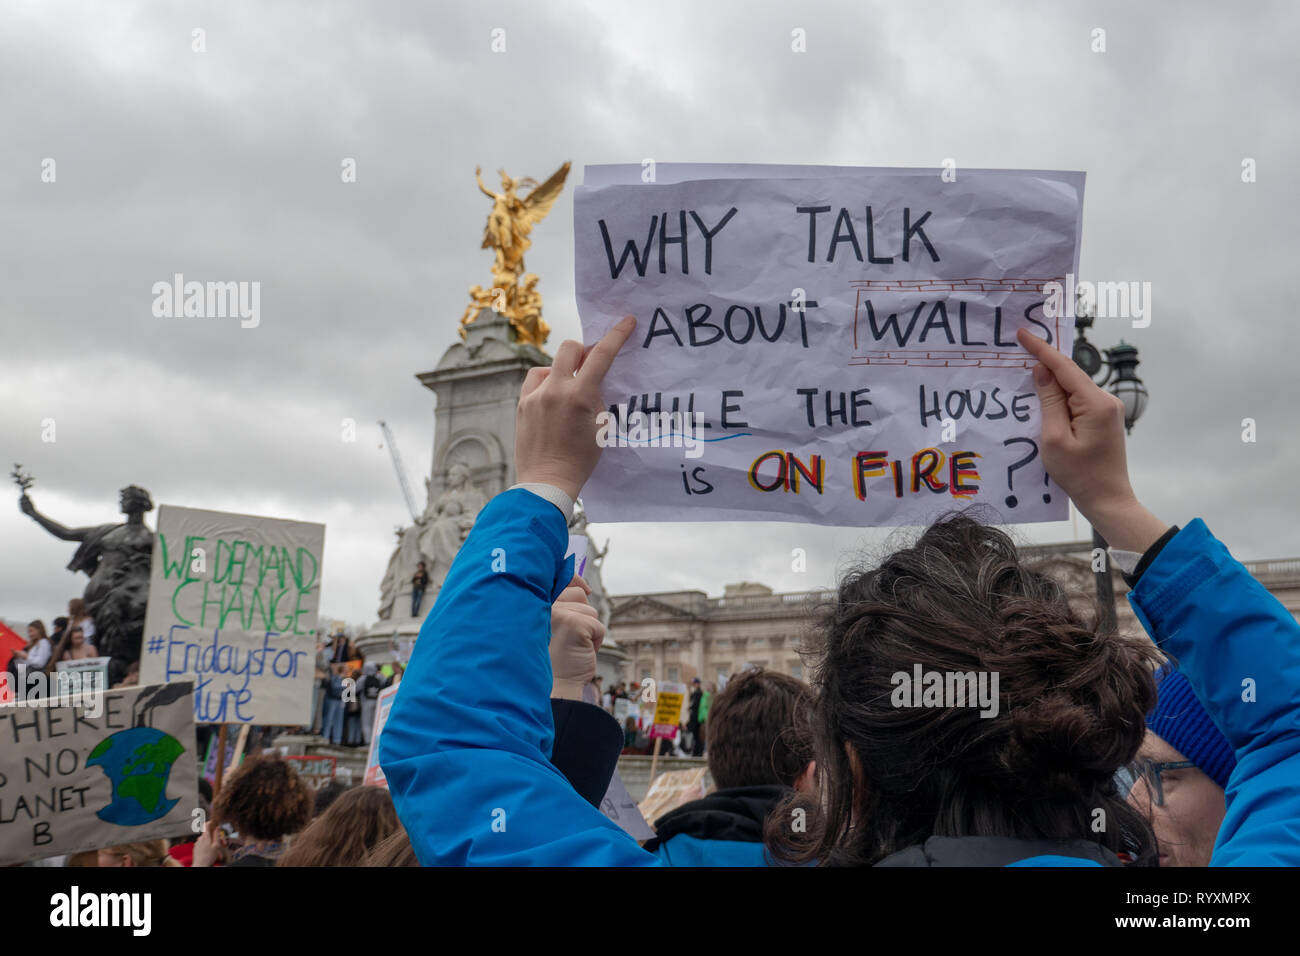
(1054, 405)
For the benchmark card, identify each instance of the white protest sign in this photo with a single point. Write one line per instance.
(374, 775)
(578, 548)
(118, 769)
(233, 606)
(839, 347)
(619, 806)
(88, 673)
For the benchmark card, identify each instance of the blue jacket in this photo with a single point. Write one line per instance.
(1231, 636)
(467, 746)
(466, 750)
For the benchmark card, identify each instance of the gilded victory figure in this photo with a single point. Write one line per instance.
(513, 292)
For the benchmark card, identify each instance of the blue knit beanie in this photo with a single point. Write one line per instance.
(1181, 722)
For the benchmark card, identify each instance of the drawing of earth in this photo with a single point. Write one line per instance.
(137, 762)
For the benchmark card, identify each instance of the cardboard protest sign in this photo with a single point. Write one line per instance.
(671, 788)
(668, 710)
(116, 768)
(832, 346)
(233, 606)
(383, 704)
(315, 771)
(235, 745)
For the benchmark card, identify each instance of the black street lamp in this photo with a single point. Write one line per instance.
(1120, 365)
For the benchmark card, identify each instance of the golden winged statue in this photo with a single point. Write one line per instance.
(513, 292)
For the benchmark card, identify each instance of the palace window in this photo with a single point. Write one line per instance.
(674, 675)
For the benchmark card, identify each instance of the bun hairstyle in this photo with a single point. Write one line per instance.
(1069, 711)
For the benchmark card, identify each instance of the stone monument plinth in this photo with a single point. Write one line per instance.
(477, 385)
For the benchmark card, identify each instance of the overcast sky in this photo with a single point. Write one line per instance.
(225, 164)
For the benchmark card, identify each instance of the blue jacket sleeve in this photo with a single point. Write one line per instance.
(1239, 648)
(466, 749)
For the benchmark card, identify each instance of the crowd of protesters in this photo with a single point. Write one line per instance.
(72, 639)
(347, 691)
(1103, 750)
(1167, 741)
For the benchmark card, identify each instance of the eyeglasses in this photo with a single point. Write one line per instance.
(1148, 771)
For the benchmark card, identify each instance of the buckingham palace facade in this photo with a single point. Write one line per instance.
(678, 635)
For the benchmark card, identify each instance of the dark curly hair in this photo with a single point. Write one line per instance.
(1071, 708)
(264, 799)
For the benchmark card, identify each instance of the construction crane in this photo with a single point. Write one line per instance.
(400, 469)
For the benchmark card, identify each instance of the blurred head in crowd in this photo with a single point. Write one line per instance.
(394, 850)
(76, 636)
(36, 632)
(77, 609)
(146, 853)
(264, 799)
(753, 735)
(131, 679)
(326, 795)
(1069, 709)
(345, 834)
(1180, 774)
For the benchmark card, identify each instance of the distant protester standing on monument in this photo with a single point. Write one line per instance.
(332, 719)
(372, 682)
(73, 647)
(340, 649)
(37, 652)
(419, 584)
(60, 629)
(78, 615)
(352, 710)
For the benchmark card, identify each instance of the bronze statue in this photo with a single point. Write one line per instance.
(116, 557)
(509, 223)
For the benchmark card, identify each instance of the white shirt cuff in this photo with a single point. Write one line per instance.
(552, 494)
(1126, 561)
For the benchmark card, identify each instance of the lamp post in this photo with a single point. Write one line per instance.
(1120, 367)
